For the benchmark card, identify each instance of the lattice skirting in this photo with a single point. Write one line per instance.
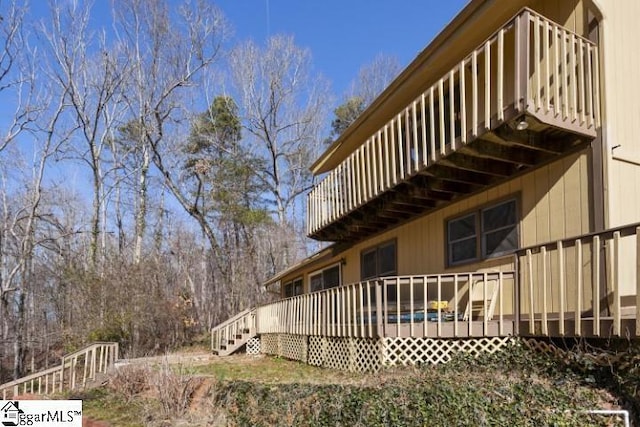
(369, 355)
(414, 351)
(269, 344)
(253, 346)
(293, 347)
(347, 354)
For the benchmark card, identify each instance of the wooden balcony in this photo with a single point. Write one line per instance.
(437, 305)
(585, 286)
(527, 95)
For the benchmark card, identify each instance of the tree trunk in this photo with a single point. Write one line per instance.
(141, 214)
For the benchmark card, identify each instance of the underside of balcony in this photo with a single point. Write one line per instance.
(488, 160)
(525, 97)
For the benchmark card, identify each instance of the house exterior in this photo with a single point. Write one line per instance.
(492, 190)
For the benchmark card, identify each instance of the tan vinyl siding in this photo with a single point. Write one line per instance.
(621, 110)
(552, 201)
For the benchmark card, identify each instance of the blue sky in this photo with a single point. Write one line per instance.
(344, 35)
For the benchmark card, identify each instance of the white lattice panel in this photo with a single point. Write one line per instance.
(269, 344)
(253, 346)
(413, 351)
(293, 347)
(347, 354)
(368, 357)
(317, 350)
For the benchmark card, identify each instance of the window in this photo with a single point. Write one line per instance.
(324, 279)
(486, 233)
(378, 261)
(293, 288)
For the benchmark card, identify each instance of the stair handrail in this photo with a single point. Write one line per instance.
(67, 361)
(30, 377)
(87, 348)
(232, 319)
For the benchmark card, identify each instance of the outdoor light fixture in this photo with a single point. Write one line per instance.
(522, 125)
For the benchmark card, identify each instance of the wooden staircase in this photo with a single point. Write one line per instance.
(231, 335)
(79, 369)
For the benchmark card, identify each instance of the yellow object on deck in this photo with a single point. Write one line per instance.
(442, 305)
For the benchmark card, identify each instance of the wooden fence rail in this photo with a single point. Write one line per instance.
(75, 370)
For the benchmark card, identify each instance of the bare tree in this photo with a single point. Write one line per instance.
(16, 70)
(282, 105)
(21, 220)
(374, 77)
(168, 52)
(91, 75)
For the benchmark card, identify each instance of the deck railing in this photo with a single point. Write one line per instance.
(586, 285)
(231, 328)
(418, 306)
(530, 65)
(75, 370)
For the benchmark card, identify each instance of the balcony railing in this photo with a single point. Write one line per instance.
(587, 285)
(584, 286)
(531, 69)
(438, 305)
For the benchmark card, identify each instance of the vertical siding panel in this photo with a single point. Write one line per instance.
(572, 195)
(542, 208)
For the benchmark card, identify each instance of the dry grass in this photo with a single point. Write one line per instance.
(263, 390)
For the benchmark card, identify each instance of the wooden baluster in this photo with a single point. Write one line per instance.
(561, 285)
(463, 104)
(432, 126)
(579, 284)
(487, 85)
(452, 111)
(442, 141)
(637, 281)
(531, 295)
(596, 285)
(615, 268)
(545, 309)
(474, 94)
(500, 80)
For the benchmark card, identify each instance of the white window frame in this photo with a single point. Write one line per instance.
(480, 233)
(322, 270)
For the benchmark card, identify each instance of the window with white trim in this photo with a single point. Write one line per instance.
(378, 261)
(293, 288)
(325, 278)
(486, 233)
